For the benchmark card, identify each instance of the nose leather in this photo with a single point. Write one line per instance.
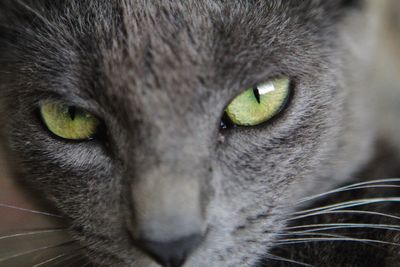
(171, 254)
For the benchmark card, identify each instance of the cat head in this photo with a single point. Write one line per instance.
(162, 181)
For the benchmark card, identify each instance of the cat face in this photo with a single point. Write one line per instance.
(162, 182)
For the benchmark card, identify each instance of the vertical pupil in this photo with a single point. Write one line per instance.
(256, 94)
(72, 112)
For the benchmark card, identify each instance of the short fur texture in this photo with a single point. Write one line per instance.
(159, 74)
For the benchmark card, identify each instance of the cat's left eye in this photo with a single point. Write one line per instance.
(69, 122)
(258, 104)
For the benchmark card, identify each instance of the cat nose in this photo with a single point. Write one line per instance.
(168, 216)
(171, 254)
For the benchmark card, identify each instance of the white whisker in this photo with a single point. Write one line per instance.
(306, 233)
(63, 258)
(28, 210)
(50, 260)
(277, 258)
(344, 212)
(35, 250)
(334, 226)
(350, 204)
(74, 260)
(31, 233)
(356, 186)
(347, 239)
(33, 11)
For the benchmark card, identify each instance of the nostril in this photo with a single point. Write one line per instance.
(171, 254)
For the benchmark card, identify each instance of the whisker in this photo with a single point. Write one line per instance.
(36, 250)
(33, 233)
(82, 256)
(375, 186)
(277, 258)
(50, 260)
(62, 258)
(306, 233)
(33, 11)
(334, 226)
(29, 210)
(344, 212)
(350, 187)
(74, 258)
(347, 239)
(349, 204)
(72, 261)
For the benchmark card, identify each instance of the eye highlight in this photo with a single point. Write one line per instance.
(69, 122)
(257, 105)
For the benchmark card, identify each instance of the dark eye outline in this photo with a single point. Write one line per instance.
(227, 124)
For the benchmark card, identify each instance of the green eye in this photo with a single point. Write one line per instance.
(259, 104)
(69, 122)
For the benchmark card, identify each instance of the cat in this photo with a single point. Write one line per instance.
(167, 179)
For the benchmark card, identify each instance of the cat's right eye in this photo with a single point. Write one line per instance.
(69, 122)
(258, 104)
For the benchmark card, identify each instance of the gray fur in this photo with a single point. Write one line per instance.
(159, 73)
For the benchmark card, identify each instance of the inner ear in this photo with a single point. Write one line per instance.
(352, 3)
